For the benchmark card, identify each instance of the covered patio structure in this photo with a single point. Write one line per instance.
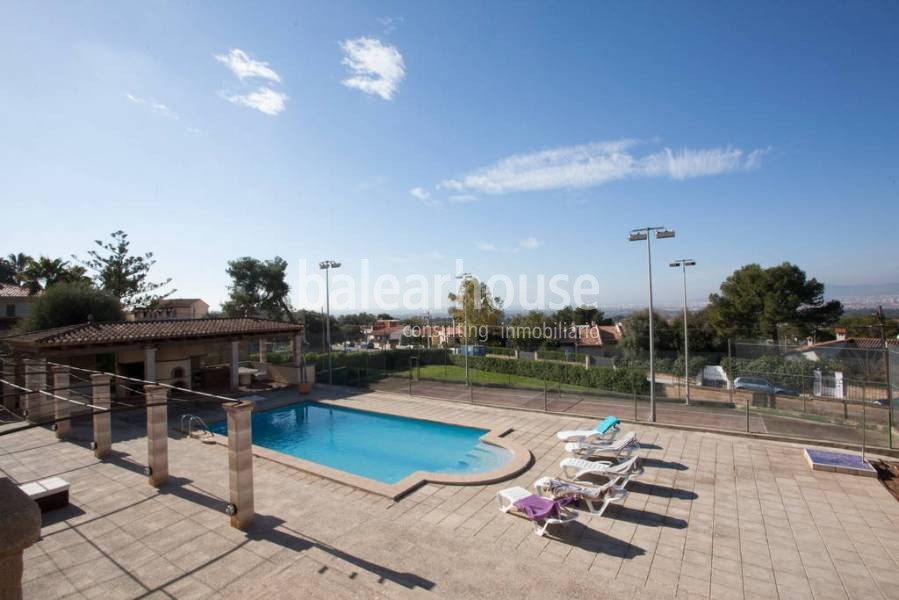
(186, 353)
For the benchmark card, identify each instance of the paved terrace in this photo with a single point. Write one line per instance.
(714, 516)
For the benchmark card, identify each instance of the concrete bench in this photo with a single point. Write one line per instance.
(50, 493)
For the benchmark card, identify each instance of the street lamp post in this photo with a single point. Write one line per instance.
(683, 263)
(465, 277)
(327, 265)
(639, 235)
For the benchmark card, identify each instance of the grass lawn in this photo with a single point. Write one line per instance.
(457, 374)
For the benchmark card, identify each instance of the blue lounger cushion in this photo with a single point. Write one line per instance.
(607, 423)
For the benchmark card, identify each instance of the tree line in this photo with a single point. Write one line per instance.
(101, 286)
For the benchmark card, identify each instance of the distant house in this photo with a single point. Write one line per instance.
(385, 332)
(15, 304)
(593, 339)
(172, 308)
(845, 347)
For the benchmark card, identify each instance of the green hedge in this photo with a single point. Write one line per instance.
(665, 364)
(796, 372)
(613, 380)
(367, 366)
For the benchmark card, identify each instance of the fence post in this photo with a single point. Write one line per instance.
(544, 393)
(102, 418)
(864, 419)
(634, 392)
(240, 463)
(60, 406)
(157, 434)
(9, 392)
(35, 379)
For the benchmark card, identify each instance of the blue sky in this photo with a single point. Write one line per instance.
(523, 138)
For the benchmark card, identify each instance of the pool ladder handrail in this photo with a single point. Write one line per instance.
(188, 421)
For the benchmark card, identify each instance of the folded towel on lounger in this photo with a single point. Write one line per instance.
(538, 508)
(566, 489)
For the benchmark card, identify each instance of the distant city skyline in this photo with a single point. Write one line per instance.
(524, 140)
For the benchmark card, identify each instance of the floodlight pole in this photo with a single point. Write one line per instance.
(465, 277)
(638, 235)
(683, 263)
(327, 265)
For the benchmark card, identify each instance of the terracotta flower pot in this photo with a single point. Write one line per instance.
(305, 388)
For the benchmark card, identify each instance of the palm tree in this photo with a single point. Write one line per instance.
(44, 272)
(19, 263)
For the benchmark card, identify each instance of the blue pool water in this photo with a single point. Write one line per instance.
(386, 448)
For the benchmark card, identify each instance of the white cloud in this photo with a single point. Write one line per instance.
(243, 66)
(420, 193)
(463, 198)
(589, 165)
(264, 100)
(484, 246)
(375, 67)
(529, 243)
(153, 105)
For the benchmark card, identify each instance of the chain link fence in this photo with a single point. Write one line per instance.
(838, 394)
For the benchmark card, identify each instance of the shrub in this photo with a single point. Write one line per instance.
(64, 304)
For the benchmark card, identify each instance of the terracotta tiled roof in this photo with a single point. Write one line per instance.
(128, 332)
(13, 291)
(868, 343)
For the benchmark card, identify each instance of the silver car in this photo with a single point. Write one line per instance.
(762, 385)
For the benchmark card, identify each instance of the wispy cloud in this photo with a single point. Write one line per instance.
(594, 164)
(243, 66)
(375, 67)
(463, 198)
(265, 100)
(390, 24)
(529, 243)
(424, 196)
(157, 107)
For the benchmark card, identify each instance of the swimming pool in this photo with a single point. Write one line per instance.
(386, 448)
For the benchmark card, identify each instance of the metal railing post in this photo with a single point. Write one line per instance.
(864, 420)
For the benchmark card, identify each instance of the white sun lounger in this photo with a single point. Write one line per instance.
(508, 497)
(597, 498)
(574, 469)
(626, 445)
(605, 430)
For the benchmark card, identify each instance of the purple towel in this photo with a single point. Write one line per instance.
(538, 508)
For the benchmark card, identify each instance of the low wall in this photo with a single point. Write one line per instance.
(285, 373)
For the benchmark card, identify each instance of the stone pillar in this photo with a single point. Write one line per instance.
(587, 361)
(235, 364)
(61, 407)
(150, 364)
(35, 379)
(10, 394)
(157, 434)
(263, 351)
(20, 527)
(298, 357)
(102, 418)
(240, 462)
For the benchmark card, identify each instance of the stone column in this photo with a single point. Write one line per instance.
(102, 418)
(157, 434)
(298, 357)
(235, 364)
(61, 407)
(150, 364)
(240, 462)
(35, 379)
(10, 394)
(263, 351)
(20, 527)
